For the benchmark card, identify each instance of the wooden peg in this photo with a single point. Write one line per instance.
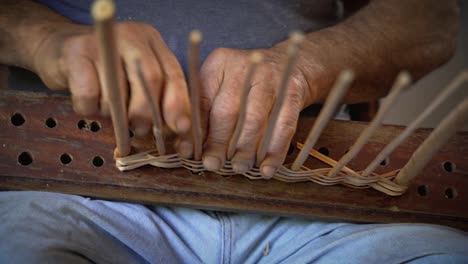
(255, 59)
(334, 98)
(195, 39)
(403, 80)
(103, 13)
(155, 109)
(295, 40)
(446, 92)
(439, 136)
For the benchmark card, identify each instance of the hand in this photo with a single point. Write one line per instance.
(223, 74)
(68, 58)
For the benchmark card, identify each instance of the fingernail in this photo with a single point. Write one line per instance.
(186, 149)
(81, 106)
(141, 129)
(240, 167)
(183, 125)
(105, 111)
(268, 171)
(211, 163)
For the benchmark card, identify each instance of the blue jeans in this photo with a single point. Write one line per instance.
(39, 227)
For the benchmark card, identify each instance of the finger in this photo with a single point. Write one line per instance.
(84, 85)
(222, 118)
(175, 99)
(104, 99)
(185, 148)
(259, 104)
(212, 77)
(282, 135)
(139, 112)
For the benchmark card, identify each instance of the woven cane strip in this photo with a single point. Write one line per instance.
(347, 176)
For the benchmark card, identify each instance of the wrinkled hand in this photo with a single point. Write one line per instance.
(223, 74)
(69, 58)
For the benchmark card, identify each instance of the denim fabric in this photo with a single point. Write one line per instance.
(39, 227)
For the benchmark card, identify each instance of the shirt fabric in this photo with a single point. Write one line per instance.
(244, 24)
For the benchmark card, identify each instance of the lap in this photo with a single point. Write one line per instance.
(61, 228)
(48, 227)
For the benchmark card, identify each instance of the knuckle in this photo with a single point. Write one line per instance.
(287, 129)
(295, 100)
(256, 118)
(88, 91)
(205, 103)
(287, 126)
(219, 52)
(150, 29)
(178, 79)
(77, 44)
(154, 76)
(139, 112)
(225, 114)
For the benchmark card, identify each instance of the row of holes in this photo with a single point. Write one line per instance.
(25, 159)
(18, 119)
(447, 166)
(450, 193)
(423, 190)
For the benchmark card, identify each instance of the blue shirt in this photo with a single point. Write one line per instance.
(242, 24)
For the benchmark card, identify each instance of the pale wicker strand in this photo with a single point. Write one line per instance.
(347, 176)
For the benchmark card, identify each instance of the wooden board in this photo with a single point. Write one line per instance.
(436, 196)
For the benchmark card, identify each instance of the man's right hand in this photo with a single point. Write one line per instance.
(68, 58)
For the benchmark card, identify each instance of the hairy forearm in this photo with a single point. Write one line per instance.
(377, 42)
(24, 25)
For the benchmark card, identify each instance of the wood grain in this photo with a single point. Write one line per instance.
(179, 187)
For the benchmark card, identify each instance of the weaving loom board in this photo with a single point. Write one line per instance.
(435, 196)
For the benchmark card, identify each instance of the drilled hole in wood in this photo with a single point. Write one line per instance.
(291, 148)
(200, 173)
(25, 158)
(95, 126)
(385, 162)
(66, 159)
(324, 151)
(82, 124)
(423, 190)
(98, 161)
(17, 119)
(450, 193)
(50, 122)
(449, 166)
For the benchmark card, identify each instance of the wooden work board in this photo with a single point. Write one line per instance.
(45, 146)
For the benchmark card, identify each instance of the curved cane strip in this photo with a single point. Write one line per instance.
(347, 176)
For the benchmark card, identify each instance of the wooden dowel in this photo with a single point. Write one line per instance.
(403, 80)
(195, 39)
(446, 92)
(439, 136)
(337, 93)
(155, 110)
(295, 40)
(255, 59)
(103, 14)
